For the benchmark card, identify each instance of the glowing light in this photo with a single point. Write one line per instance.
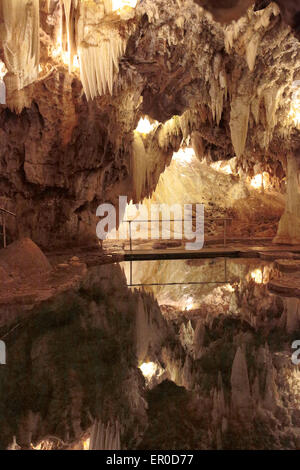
(184, 155)
(76, 63)
(119, 4)
(260, 181)
(145, 126)
(257, 276)
(189, 304)
(86, 444)
(294, 113)
(59, 54)
(257, 181)
(222, 167)
(148, 369)
(38, 446)
(229, 288)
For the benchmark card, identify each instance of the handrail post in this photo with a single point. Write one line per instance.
(130, 239)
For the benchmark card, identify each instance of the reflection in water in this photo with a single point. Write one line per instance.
(106, 366)
(185, 284)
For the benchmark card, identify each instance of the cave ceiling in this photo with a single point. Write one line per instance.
(235, 80)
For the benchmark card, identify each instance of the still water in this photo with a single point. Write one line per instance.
(185, 354)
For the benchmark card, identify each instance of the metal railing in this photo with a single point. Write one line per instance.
(225, 220)
(3, 213)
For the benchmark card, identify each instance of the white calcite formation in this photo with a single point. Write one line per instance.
(21, 45)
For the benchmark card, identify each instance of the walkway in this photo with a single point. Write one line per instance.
(270, 253)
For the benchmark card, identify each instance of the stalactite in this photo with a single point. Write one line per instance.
(217, 100)
(139, 166)
(251, 51)
(239, 120)
(100, 46)
(255, 107)
(170, 130)
(21, 42)
(151, 155)
(99, 64)
(272, 98)
(70, 7)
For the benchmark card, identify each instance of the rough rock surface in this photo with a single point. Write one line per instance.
(23, 259)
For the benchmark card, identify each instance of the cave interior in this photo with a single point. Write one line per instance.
(149, 224)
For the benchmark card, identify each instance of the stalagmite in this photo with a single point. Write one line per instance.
(240, 387)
